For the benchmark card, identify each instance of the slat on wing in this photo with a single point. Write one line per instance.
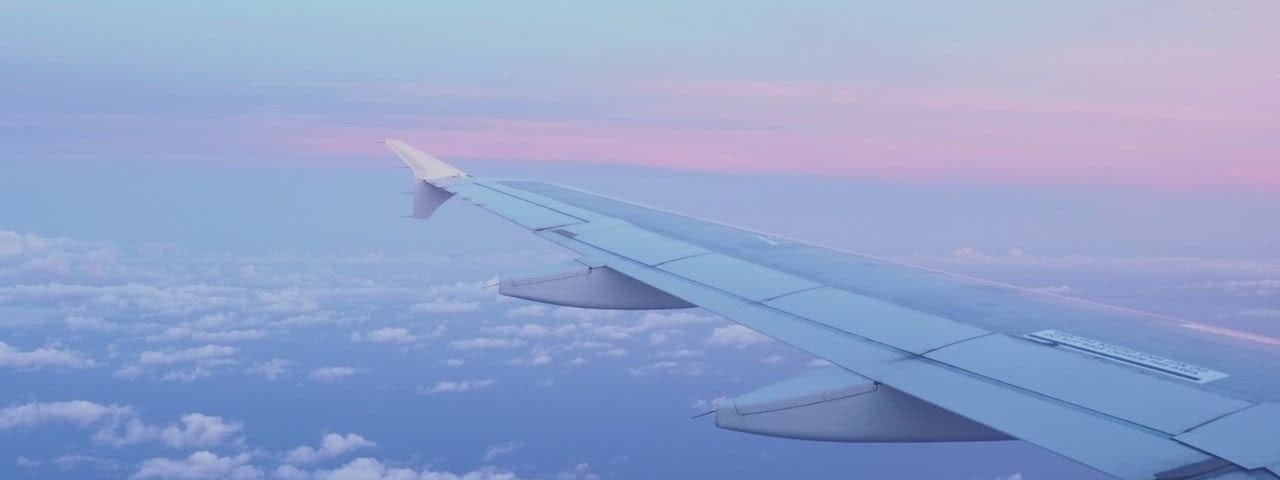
(550, 203)
(640, 245)
(738, 277)
(524, 213)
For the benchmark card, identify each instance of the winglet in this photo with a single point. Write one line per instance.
(428, 171)
(425, 167)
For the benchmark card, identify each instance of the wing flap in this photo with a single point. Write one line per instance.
(556, 205)
(1246, 438)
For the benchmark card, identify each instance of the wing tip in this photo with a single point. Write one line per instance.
(424, 166)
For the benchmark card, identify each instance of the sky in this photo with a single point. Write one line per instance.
(205, 272)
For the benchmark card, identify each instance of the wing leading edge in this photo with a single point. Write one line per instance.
(965, 346)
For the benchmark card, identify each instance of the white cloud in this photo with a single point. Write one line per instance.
(773, 359)
(270, 369)
(655, 320)
(442, 305)
(1257, 287)
(588, 345)
(969, 254)
(533, 310)
(329, 374)
(465, 290)
(118, 425)
(229, 335)
(501, 449)
(657, 323)
(374, 469)
(130, 432)
(31, 258)
(206, 359)
(290, 472)
(461, 386)
(537, 356)
(42, 357)
(581, 471)
(584, 314)
(202, 465)
(72, 461)
(213, 322)
(818, 363)
(129, 297)
(14, 244)
(681, 353)
(531, 330)
(155, 357)
(664, 365)
(452, 362)
(331, 446)
(308, 320)
(736, 336)
(485, 343)
(78, 412)
(173, 334)
(77, 323)
(193, 430)
(386, 335)
(25, 462)
(713, 403)
(668, 367)
(200, 431)
(185, 376)
(289, 300)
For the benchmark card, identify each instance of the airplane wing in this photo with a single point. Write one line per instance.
(923, 355)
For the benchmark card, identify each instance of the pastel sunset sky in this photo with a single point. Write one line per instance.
(204, 273)
(1147, 94)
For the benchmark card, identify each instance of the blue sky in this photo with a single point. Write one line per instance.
(204, 271)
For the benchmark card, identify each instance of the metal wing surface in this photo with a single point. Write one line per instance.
(1131, 394)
